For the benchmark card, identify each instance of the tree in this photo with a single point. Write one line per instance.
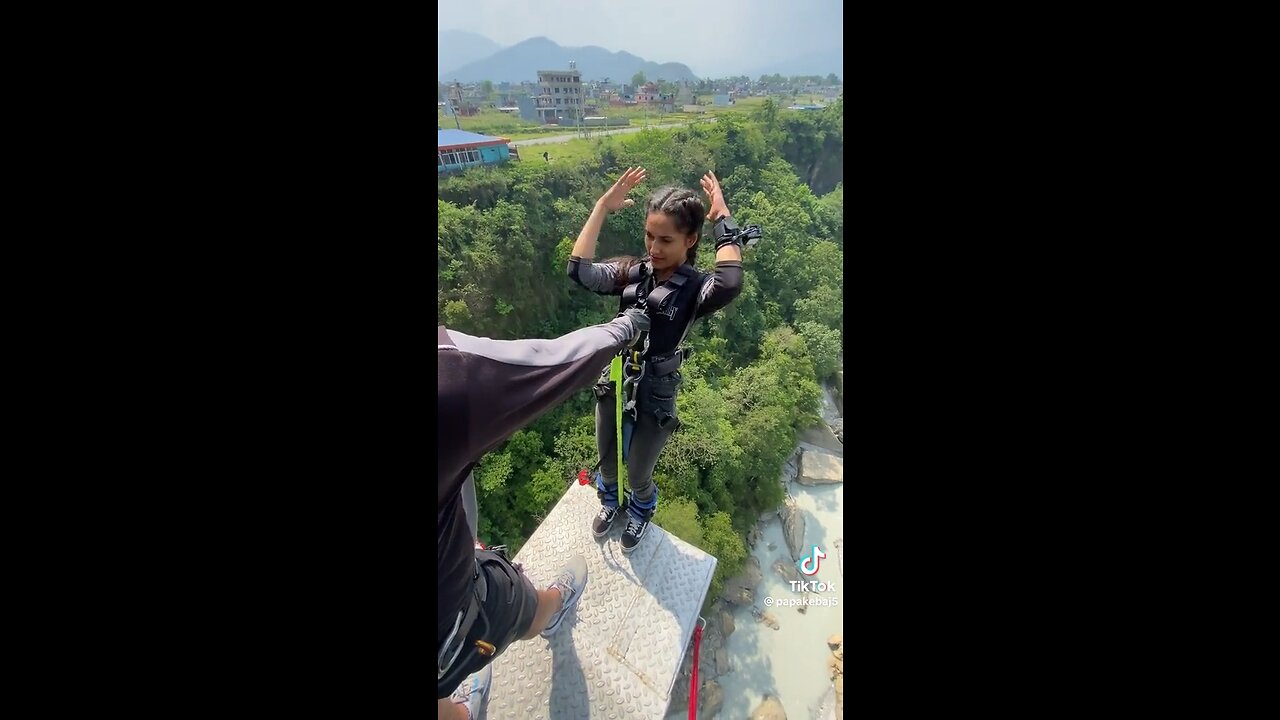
(832, 79)
(637, 80)
(824, 305)
(503, 238)
(722, 540)
(767, 115)
(486, 88)
(679, 516)
(824, 347)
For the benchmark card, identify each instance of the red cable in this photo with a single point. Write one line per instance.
(693, 687)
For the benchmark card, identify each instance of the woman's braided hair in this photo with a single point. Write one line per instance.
(685, 208)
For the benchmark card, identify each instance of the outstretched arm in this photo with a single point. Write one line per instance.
(602, 278)
(613, 200)
(489, 389)
(725, 283)
(719, 209)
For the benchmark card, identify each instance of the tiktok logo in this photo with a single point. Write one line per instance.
(809, 565)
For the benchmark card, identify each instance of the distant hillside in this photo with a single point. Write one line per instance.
(459, 47)
(522, 61)
(820, 62)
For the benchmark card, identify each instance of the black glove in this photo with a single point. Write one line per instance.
(638, 318)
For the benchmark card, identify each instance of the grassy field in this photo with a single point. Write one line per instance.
(490, 122)
(499, 124)
(569, 151)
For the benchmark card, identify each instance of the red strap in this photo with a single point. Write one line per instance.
(693, 687)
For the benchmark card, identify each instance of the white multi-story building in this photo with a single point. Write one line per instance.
(560, 96)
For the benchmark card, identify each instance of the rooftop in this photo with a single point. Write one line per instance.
(450, 138)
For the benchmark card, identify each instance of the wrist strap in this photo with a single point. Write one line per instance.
(724, 226)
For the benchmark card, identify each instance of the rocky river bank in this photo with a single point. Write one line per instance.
(813, 477)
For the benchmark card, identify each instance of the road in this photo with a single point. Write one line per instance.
(598, 133)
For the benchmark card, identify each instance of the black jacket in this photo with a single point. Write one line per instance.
(716, 290)
(488, 390)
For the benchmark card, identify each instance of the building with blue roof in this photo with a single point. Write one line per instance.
(459, 149)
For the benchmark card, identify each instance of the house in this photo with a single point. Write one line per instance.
(459, 149)
(648, 93)
(560, 94)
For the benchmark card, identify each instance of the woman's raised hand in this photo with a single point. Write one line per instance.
(715, 197)
(615, 198)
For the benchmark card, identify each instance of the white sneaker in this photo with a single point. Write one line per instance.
(473, 693)
(570, 582)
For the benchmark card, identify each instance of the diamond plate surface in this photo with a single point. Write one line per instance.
(617, 653)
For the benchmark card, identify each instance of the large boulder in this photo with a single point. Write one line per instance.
(769, 709)
(712, 645)
(835, 670)
(788, 571)
(820, 468)
(710, 699)
(749, 578)
(835, 666)
(726, 623)
(793, 529)
(722, 662)
(821, 435)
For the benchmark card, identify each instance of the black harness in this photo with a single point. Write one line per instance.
(662, 301)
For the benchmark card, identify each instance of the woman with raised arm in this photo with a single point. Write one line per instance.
(674, 293)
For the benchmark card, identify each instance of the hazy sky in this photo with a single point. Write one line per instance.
(697, 33)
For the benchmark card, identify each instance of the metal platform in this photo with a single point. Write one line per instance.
(618, 652)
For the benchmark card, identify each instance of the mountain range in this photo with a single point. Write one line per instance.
(523, 60)
(469, 57)
(459, 47)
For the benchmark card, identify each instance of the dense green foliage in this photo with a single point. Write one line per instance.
(505, 235)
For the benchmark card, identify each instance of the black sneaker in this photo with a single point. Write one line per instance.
(600, 526)
(635, 530)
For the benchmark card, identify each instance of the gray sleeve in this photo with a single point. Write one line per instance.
(721, 287)
(564, 350)
(599, 278)
(490, 389)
